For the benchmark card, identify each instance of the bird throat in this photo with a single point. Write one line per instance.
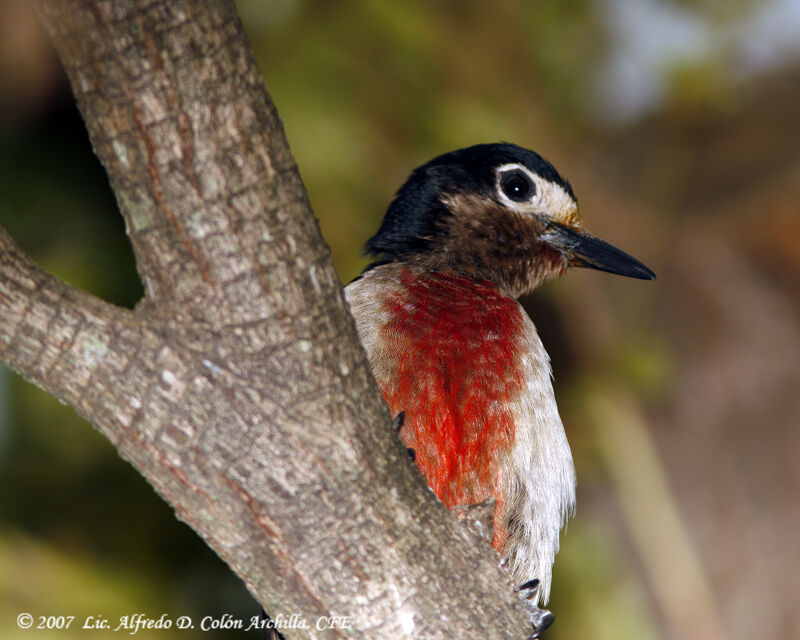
(457, 345)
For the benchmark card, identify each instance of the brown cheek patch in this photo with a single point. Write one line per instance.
(485, 232)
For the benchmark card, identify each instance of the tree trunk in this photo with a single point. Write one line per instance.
(237, 386)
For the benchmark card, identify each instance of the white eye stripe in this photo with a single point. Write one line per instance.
(535, 180)
(550, 199)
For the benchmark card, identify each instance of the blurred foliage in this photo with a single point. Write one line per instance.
(56, 202)
(598, 598)
(367, 91)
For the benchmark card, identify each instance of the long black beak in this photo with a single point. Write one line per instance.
(585, 250)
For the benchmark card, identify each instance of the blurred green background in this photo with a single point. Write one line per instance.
(676, 122)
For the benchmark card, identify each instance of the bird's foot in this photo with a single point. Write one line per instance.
(397, 423)
(540, 618)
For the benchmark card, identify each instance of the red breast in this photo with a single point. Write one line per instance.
(456, 342)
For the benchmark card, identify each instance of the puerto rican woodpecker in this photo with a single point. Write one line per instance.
(458, 360)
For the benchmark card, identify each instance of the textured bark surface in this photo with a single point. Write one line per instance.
(237, 387)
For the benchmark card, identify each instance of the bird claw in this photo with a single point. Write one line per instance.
(398, 420)
(397, 423)
(540, 618)
(531, 588)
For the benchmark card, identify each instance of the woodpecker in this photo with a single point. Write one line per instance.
(456, 357)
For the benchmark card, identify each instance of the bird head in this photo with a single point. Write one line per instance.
(496, 212)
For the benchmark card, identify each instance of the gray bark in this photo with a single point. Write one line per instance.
(237, 386)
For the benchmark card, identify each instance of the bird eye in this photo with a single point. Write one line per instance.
(517, 186)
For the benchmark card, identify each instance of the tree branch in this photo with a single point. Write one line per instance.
(53, 334)
(238, 387)
(202, 177)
